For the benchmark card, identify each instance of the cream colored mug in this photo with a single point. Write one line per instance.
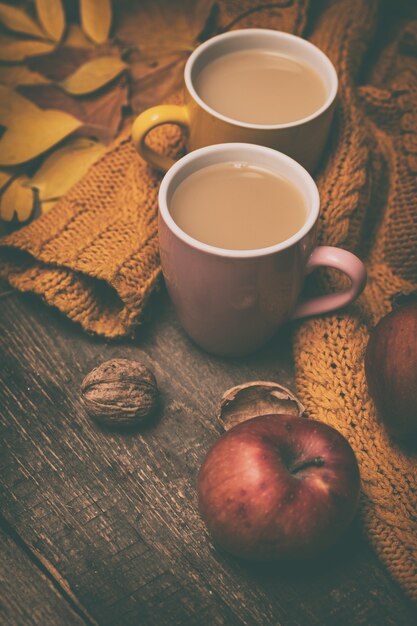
(303, 139)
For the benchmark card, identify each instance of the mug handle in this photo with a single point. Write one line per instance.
(328, 256)
(151, 118)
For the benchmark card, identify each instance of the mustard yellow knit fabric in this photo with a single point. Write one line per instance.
(95, 256)
(368, 189)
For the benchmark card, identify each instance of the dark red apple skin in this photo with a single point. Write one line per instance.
(258, 506)
(391, 370)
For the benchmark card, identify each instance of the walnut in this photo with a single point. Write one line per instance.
(120, 392)
(258, 397)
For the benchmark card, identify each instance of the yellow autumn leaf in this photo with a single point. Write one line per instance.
(4, 178)
(47, 205)
(34, 134)
(13, 75)
(96, 17)
(19, 21)
(93, 75)
(14, 107)
(13, 49)
(62, 169)
(76, 38)
(52, 17)
(160, 28)
(18, 199)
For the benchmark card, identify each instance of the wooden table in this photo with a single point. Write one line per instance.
(102, 528)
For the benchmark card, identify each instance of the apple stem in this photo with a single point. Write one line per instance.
(317, 461)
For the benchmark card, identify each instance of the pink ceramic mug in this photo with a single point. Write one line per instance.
(231, 302)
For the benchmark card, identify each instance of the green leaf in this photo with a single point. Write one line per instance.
(13, 49)
(96, 17)
(17, 20)
(52, 17)
(93, 75)
(62, 169)
(18, 199)
(34, 134)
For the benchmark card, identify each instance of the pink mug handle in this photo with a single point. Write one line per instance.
(328, 256)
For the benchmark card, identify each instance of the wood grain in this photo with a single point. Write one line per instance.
(28, 597)
(114, 516)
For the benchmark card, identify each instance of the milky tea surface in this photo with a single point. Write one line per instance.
(261, 87)
(238, 206)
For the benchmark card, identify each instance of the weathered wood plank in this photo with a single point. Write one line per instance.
(27, 596)
(116, 514)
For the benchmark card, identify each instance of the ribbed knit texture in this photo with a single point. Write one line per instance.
(368, 190)
(95, 256)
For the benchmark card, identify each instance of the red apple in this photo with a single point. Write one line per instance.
(278, 487)
(391, 368)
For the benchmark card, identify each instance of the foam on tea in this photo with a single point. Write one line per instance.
(238, 206)
(261, 87)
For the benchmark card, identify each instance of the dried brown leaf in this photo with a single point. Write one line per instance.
(162, 27)
(60, 63)
(65, 60)
(101, 113)
(17, 20)
(17, 201)
(76, 38)
(13, 49)
(52, 17)
(13, 75)
(93, 75)
(65, 166)
(96, 18)
(34, 134)
(236, 14)
(153, 82)
(255, 398)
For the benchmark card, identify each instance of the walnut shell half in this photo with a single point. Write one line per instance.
(258, 397)
(120, 392)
